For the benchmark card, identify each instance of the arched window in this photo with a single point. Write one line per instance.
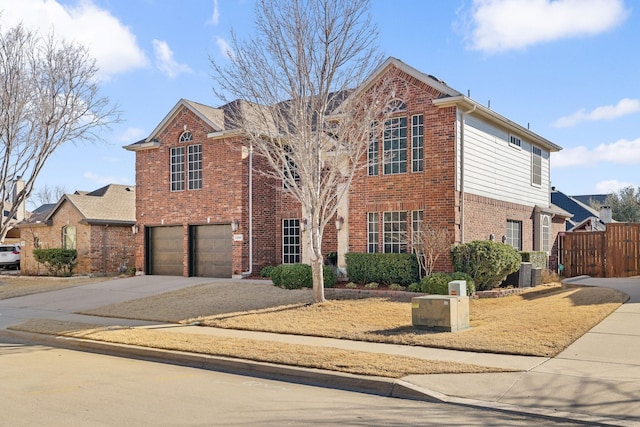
(186, 136)
(69, 237)
(545, 238)
(395, 105)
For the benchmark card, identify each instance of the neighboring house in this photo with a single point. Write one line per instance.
(98, 224)
(441, 159)
(583, 216)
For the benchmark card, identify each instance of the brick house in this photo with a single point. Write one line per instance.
(98, 224)
(441, 158)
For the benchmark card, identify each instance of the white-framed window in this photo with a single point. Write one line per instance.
(394, 231)
(290, 168)
(417, 218)
(514, 234)
(372, 232)
(290, 241)
(69, 237)
(536, 166)
(545, 233)
(417, 143)
(177, 168)
(394, 106)
(515, 141)
(395, 145)
(373, 149)
(194, 166)
(186, 136)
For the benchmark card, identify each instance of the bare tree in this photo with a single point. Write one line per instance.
(47, 194)
(429, 244)
(301, 113)
(48, 97)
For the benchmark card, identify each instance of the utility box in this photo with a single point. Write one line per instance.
(441, 313)
(458, 288)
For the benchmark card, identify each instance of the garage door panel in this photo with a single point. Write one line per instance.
(211, 250)
(164, 251)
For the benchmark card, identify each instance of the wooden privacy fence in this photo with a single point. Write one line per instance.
(611, 253)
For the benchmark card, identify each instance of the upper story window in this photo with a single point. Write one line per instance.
(394, 106)
(186, 136)
(194, 166)
(69, 237)
(395, 145)
(514, 140)
(536, 166)
(177, 168)
(417, 143)
(290, 168)
(373, 149)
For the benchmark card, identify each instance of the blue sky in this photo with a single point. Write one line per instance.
(568, 69)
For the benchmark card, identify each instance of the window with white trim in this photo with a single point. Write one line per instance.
(177, 168)
(545, 233)
(290, 168)
(290, 241)
(395, 146)
(373, 149)
(194, 167)
(417, 143)
(394, 231)
(416, 227)
(69, 237)
(514, 234)
(536, 166)
(186, 136)
(514, 140)
(372, 232)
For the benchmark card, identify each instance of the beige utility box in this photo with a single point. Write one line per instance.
(441, 313)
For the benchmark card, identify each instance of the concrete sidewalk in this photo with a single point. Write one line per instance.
(596, 380)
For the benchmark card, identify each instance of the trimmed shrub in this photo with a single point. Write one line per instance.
(297, 276)
(382, 268)
(487, 262)
(438, 283)
(59, 262)
(266, 271)
(537, 259)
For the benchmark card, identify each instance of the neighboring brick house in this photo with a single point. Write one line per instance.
(98, 224)
(441, 159)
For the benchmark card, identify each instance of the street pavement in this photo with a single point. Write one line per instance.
(596, 380)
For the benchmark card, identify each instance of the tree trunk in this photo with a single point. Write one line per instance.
(317, 265)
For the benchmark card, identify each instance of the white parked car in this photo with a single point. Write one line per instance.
(10, 256)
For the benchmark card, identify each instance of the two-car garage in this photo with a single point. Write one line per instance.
(209, 250)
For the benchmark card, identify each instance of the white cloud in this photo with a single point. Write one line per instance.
(109, 41)
(622, 152)
(105, 179)
(612, 186)
(608, 112)
(215, 16)
(224, 47)
(165, 61)
(501, 25)
(131, 135)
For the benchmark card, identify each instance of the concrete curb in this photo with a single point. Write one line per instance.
(380, 386)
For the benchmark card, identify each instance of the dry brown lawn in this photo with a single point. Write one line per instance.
(354, 362)
(541, 322)
(17, 286)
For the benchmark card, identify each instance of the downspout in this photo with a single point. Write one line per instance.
(463, 114)
(248, 272)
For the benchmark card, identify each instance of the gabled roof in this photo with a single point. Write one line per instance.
(214, 117)
(112, 204)
(586, 199)
(579, 210)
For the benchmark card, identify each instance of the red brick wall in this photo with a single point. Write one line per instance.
(112, 247)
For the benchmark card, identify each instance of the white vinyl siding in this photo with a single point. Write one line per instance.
(494, 169)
